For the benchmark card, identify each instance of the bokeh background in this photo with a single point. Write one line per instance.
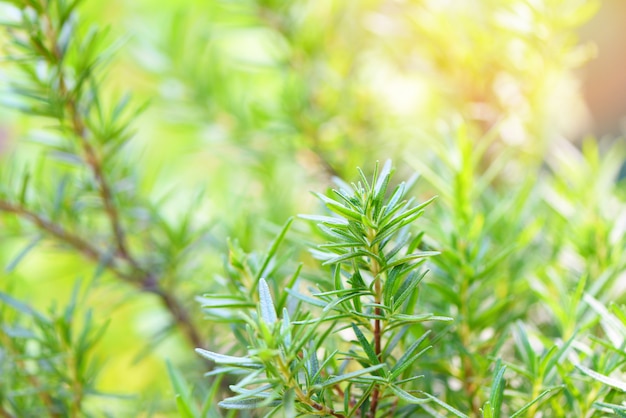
(254, 103)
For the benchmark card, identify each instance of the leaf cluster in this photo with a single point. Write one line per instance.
(47, 360)
(521, 312)
(344, 349)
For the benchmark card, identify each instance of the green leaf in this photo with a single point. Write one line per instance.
(614, 329)
(266, 304)
(367, 347)
(224, 301)
(392, 225)
(272, 251)
(349, 256)
(534, 401)
(410, 319)
(383, 180)
(327, 220)
(22, 307)
(447, 407)
(620, 410)
(229, 360)
(257, 392)
(341, 301)
(210, 400)
(366, 184)
(282, 301)
(312, 365)
(341, 245)
(307, 299)
(392, 204)
(548, 359)
(408, 357)
(497, 390)
(487, 410)
(609, 381)
(407, 287)
(288, 405)
(524, 347)
(316, 377)
(20, 256)
(340, 209)
(338, 379)
(24, 188)
(339, 234)
(250, 403)
(185, 408)
(285, 328)
(410, 258)
(407, 397)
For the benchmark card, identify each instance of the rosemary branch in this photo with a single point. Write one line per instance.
(46, 44)
(143, 280)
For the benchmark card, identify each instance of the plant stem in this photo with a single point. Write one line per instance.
(469, 383)
(4, 413)
(139, 278)
(375, 270)
(286, 374)
(105, 192)
(76, 124)
(181, 316)
(534, 393)
(79, 129)
(57, 231)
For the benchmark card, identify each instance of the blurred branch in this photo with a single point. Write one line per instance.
(105, 190)
(4, 413)
(52, 229)
(55, 57)
(70, 95)
(140, 278)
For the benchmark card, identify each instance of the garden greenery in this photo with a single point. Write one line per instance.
(490, 284)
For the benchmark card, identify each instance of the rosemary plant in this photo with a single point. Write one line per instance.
(353, 342)
(46, 361)
(515, 276)
(94, 207)
(347, 347)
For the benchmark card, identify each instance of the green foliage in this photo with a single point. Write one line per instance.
(47, 362)
(502, 297)
(346, 348)
(93, 207)
(371, 293)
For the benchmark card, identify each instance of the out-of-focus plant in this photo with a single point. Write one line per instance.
(529, 231)
(265, 75)
(484, 228)
(608, 362)
(82, 195)
(480, 60)
(46, 361)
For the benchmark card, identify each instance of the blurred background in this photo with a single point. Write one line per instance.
(254, 103)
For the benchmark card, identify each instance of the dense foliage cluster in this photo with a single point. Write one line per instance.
(491, 284)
